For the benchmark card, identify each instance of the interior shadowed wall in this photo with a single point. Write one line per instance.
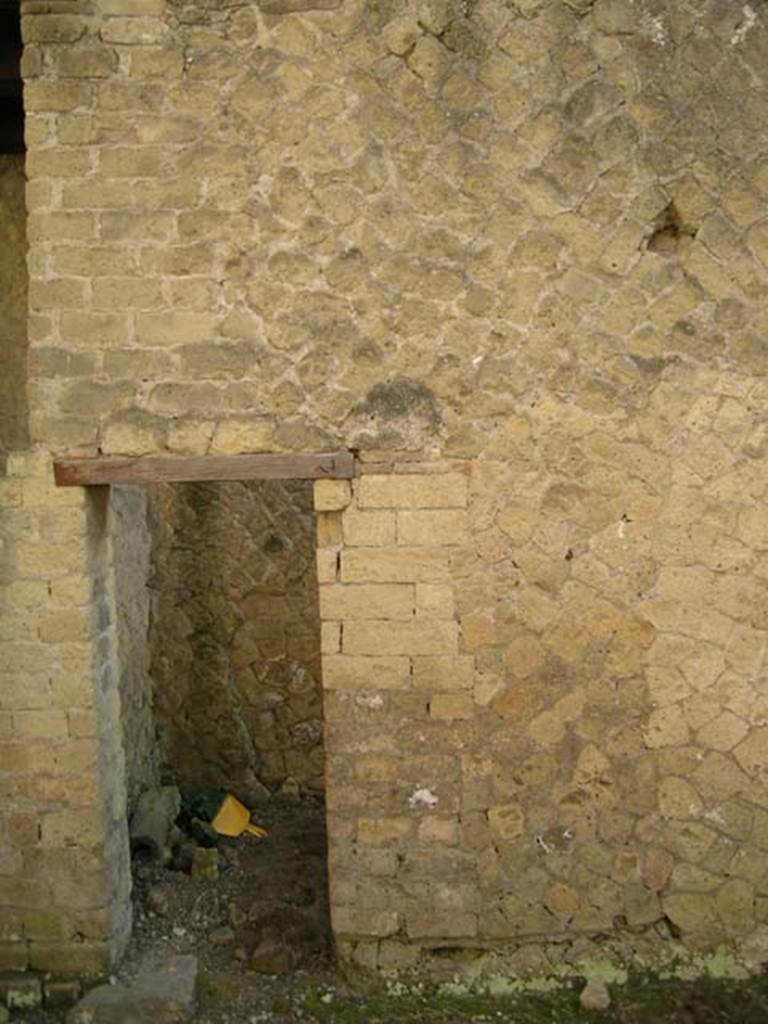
(235, 634)
(13, 304)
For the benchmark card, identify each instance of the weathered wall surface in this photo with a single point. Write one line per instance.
(131, 545)
(13, 305)
(64, 870)
(519, 244)
(235, 639)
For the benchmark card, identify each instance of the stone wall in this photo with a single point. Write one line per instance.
(13, 305)
(235, 635)
(64, 871)
(132, 544)
(514, 255)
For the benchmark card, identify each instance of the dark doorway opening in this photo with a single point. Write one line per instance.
(11, 100)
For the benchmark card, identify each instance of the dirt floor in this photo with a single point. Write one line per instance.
(267, 911)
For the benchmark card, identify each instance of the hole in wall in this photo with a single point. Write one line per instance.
(669, 231)
(219, 665)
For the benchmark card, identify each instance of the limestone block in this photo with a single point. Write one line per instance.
(394, 565)
(367, 601)
(370, 529)
(422, 527)
(332, 495)
(387, 637)
(441, 490)
(344, 672)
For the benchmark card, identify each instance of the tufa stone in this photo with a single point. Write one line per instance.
(595, 996)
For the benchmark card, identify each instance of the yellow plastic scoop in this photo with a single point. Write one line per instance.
(233, 818)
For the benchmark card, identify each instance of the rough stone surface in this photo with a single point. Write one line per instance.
(132, 544)
(235, 635)
(13, 305)
(154, 817)
(164, 994)
(519, 267)
(21, 993)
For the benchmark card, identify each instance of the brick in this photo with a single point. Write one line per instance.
(136, 31)
(70, 625)
(135, 162)
(394, 565)
(174, 328)
(368, 529)
(71, 959)
(329, 530)
(171, 130)
(36, 725)
(383, 830)
(100, 194)
(444, 673)
(82, 723)
(58, 293)
(439, 830)
(48, 925)
(175, 260)
(126, 293)
(52, 28)
(388, 637)
(427, 527)
(58, 163)
(378, 767)
(61, 993)
(367, 601)
(330, 637)
(133, 8)
(124, 226)
(11, 925)
(331, 495)
(327, 565)
(61, 226)
(72, 828)
(451, 705)
(24, 690)
(97, 329)
(93, 261)
(24, 828)
(78, 129)
(26, 658)
(434, 600)
(32, 61)
(24, 894)
(86, 62)
(14, 956)
(156, 63)
(52, 97)
(342, 672)
(445, 490)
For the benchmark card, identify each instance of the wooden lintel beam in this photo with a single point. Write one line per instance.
(167, 469)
